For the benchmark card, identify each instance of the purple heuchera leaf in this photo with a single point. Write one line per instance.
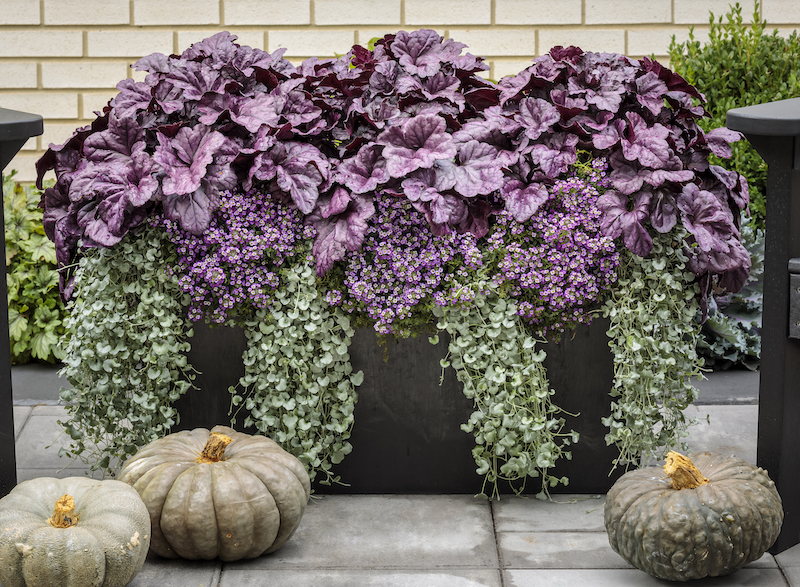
(478, 170)
(132, 98)
(663, 211)
(570, 54)
(674, 82)
(103, 198)
(117, 143)
(719, 140)
(657, 177)
(195, 79)
(445, 211)
(169, 97)
(442, 210)
(64, 159)
(438, 86)
(524, 200)
(646, 144)
(598, 83)
(186, 156)
(341, 224)
(422, 52)
(423, 185)
(731, 262)
(650, 91)
(218, 50)
(536, 116)
(417, 143)
(568, 106)
(364, 172)
(298, 109)
(299, 169)
(625, 176)
(193, 210)
(153, 63)
(555, 154)
(495, 131)
(610, 135)
(256, 112)
(618, 220)
(706, 218)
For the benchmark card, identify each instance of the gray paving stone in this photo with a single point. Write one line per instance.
(750, 577)
(789, 557)
(388, 532)
(21, 414)
(36, 382)
(562, 513)
(765, 562)
(557, 550)
(376, 578)
(732, 430)
(736, 386)
(49, 410)
(792, 575)
(39, 442)
(159, 572)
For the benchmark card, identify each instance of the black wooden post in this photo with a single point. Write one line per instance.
(15, 129)
(774, 130)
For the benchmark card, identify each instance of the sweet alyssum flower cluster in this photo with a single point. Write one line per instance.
(236, 262)
(557, 264)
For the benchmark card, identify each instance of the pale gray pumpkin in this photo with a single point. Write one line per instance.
(218, 494)
(73, 532)
(702, 516)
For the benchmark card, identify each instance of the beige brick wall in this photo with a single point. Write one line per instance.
(63, 58)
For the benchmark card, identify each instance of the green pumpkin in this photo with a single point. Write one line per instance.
(219, 493)
(74, 532)
(709, 515)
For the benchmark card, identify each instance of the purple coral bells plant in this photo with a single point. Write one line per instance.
(410, 118)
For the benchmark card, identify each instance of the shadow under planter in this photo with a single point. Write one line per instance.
(407, 435)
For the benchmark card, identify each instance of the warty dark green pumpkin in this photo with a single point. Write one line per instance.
(709, 515)
(73, 532)
(218, 494)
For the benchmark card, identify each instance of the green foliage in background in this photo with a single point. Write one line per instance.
(35, 311)
(741, 65)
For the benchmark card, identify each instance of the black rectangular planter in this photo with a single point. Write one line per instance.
(407, 436)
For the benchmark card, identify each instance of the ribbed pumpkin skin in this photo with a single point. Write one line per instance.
(711, 530)
(106, 548)
(248, 504)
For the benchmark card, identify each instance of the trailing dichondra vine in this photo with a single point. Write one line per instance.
(517, 427)
(653, 337)
(125, 351)
(299, 386)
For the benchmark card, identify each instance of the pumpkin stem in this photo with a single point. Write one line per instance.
(64, 514)
(682, 472)
(214, 450)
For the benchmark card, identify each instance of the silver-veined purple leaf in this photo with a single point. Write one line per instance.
(186, 156)
(416, 143)
(364, 172)
(618, 220)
